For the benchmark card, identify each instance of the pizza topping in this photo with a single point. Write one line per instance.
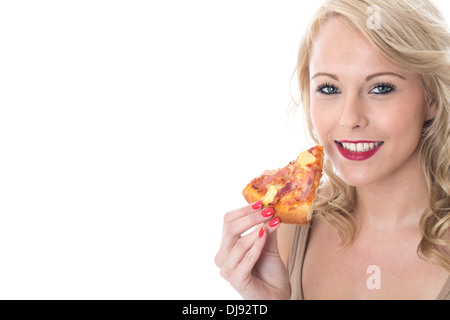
(267, 179)
(307, 186)
(270, 195)
(305, 158)
(290, 186)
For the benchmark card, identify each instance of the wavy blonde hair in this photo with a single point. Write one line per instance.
(413, 35)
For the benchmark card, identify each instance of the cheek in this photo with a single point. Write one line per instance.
(324, 120)
(403, 124)
(319, 123)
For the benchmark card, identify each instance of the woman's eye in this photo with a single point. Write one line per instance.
(328, 89)
(382, 89)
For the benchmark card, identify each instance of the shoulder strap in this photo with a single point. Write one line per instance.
(295, 263)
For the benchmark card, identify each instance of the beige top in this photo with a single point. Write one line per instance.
(295, 266)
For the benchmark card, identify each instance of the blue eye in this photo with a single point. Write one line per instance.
(382, 88)
(328, 89)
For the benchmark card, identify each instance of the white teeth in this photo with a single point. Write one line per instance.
(366, 147)
(360, 147)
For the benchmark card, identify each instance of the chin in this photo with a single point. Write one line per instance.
(356, 178)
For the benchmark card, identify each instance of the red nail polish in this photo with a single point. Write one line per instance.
(267, 212)
(261, 232)
(257, 205)
(274, 222)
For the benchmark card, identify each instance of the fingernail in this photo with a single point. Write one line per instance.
(261, 232)
(267, 212)
(274, 222)
(257, 205)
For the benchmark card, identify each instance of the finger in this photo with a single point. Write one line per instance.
(239, 213)
(238, 252)
(233, 230)
(242, 275)
(246, 222)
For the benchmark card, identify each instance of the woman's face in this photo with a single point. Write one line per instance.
(367, 113)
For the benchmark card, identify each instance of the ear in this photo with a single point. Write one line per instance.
(431, 109)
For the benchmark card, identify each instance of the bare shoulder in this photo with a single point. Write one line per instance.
(285, 236)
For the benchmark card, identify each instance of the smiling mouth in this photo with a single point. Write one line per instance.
(359, 146)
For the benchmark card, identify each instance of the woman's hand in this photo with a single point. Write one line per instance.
(251, 263)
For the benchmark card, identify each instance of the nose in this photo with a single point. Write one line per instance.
(353, 114)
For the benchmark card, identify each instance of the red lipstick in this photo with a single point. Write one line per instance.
(358, 150)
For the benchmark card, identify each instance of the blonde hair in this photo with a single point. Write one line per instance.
(413, 35)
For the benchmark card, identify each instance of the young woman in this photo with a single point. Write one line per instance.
(374, 78)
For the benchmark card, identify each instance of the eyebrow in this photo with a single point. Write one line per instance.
(335, 77)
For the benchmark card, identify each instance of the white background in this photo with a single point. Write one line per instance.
(127, 130)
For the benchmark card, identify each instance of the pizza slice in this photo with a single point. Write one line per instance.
(292, 190)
